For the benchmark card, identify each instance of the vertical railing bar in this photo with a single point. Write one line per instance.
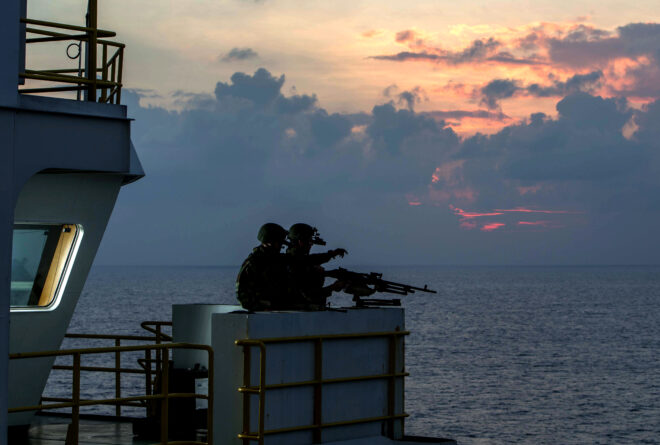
(262, 392)
(247, 360)
(318, 390)
(119, 75)
(391, 383)
(104, 72)
(92, 49)
(209, 412)
(148, 382)
(164, 405)
(112, 89)
(158, 352)
(401, 356)
(117, 377)
(75, 410)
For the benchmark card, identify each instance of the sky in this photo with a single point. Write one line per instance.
(424, 132)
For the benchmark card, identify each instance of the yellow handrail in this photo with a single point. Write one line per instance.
(76, 402)
(318, 425)
(110, 67)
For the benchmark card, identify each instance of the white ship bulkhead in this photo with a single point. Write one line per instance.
(62, 163)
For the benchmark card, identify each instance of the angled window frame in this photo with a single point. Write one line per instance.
(49, 273)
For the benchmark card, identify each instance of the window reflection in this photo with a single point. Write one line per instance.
(40, 256)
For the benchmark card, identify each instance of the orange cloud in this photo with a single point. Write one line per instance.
(492, 226)
(469, 215)
(524, 210)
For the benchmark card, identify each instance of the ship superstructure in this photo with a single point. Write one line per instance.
(65, 152)
(285, 377)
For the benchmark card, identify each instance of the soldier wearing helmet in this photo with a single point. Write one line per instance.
(306, 274)
(262, 282)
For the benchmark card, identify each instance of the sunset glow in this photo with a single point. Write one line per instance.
(491, 226)
(482, 119)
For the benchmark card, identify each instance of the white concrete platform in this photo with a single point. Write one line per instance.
(340, 406)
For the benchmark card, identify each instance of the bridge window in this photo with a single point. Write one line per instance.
(42, 255)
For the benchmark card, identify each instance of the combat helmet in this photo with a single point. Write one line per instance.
(302, 231)
(272, 233)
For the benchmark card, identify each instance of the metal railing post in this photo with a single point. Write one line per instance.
(148, 382)
(164, 405)
(104, 73)
(318, 390)
(118, 377)
(92, 34)
(119, 75)
(209, 411)
(75, 409)
(262, 393)
(247, 365)
(391, 383)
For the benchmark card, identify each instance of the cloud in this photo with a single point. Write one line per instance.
(262, 88)
(492, 226)
(405, 36)
(479, 51)
(462, 114)
(226, 162)
(239, 54)
(554, 59)
(496, 90)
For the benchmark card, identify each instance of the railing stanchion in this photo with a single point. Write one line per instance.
(165, 392)
(391, 383)
(119, 75)
(318, 390)
(262, 393)
(148, 382)
(75, 409)
(118, 377)
(247, 371)
(92, 35)
(104, 73)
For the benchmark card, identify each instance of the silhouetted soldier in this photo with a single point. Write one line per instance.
(262, 282)
(306, 274)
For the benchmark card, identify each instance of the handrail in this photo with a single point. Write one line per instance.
(318, 425)
(100, 32)
(146, 325)
(145, 362)
(76, 402)
(110, 67)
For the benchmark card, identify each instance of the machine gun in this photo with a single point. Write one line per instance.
(362, 285)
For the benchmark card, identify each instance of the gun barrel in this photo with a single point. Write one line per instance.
(374, 279)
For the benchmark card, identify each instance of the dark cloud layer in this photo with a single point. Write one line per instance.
(480, 50)
(239, 54)
(228, 162)
(496, 90)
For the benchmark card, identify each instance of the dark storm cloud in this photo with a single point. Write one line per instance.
(408, 98)
(409, 55)
(576, 159)
(404, 36)
(217, 171)
(496, 90)
(461, 114)
(239, 54)
(262, 88)
(329, 130)
(587, 46)
(480, 50)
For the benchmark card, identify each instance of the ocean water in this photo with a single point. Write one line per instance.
(500, 355)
